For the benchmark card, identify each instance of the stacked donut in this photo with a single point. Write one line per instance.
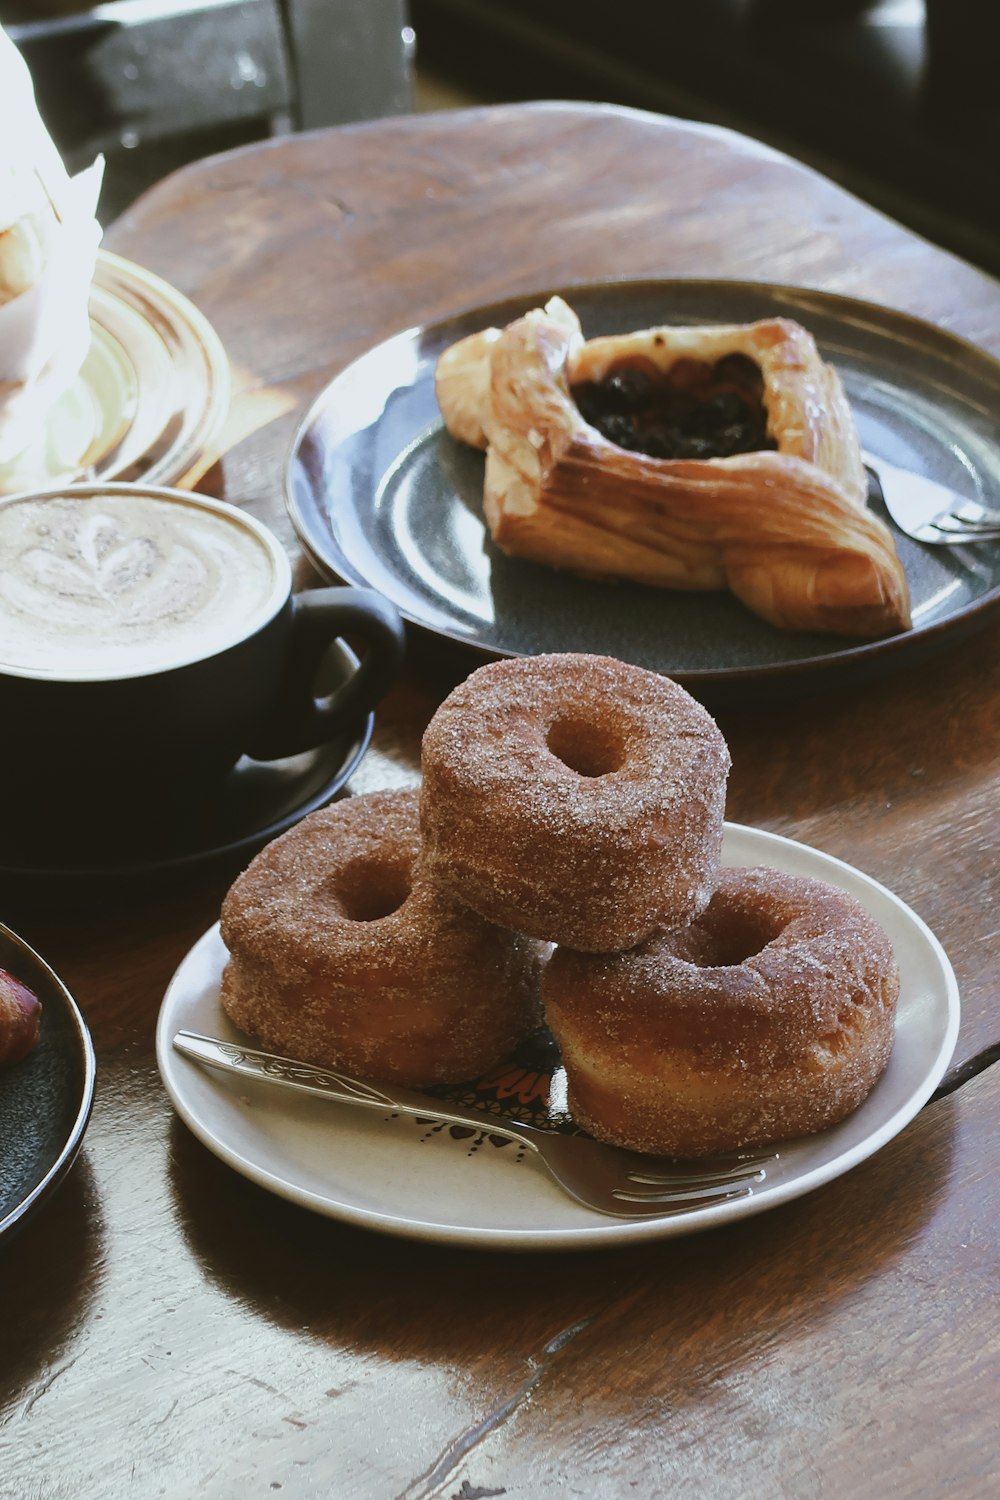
(578, 801)
(344, 952)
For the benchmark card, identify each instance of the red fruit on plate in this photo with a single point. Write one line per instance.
(20, 1014)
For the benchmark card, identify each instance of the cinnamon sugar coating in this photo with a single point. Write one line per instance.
(344, 954)
(770, 1017)
(575, 798)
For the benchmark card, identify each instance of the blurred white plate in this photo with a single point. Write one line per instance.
(387, 1174)
(151, 397)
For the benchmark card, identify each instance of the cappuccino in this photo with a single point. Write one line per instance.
(102, 585)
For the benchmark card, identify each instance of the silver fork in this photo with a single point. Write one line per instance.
(626, 1184)
(930, 512)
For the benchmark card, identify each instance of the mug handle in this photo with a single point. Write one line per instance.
(301, 721)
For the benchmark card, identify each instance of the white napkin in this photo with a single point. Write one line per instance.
(48, 246)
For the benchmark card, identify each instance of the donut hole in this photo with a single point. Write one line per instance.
(728, 939)
(587, 748)
(372, 888)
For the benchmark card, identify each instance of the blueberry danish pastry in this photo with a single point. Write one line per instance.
(686, 458)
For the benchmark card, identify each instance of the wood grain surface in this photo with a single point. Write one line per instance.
(167, 1328)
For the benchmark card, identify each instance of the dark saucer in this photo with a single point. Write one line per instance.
(250, 805)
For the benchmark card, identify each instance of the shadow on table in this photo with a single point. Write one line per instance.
(892, 739)
(44, 1299)
(408, 1299)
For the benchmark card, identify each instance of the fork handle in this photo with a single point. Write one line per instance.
(304, 1078)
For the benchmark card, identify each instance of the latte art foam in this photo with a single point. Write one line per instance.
(120, 585)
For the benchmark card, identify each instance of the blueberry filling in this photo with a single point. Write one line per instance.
(692, 410)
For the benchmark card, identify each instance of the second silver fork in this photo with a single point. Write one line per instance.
(625, 1184)
(930, 512)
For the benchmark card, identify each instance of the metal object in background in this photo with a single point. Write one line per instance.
(156, 83)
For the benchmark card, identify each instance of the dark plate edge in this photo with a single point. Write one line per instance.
(59, 1168)
(855, 663)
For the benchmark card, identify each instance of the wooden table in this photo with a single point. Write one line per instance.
(168, 1329)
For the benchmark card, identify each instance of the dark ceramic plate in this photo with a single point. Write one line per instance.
(254, 803)
(45, 1099)
(381, 496)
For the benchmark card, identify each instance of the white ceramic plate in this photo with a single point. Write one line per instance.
(387, 1174)
(152, 395)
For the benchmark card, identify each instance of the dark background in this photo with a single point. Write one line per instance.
(895, 99)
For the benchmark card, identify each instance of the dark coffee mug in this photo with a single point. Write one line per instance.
(148, 639)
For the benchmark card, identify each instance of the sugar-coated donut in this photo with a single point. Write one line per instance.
(343, 954)
(770, 1017)
(575, 798)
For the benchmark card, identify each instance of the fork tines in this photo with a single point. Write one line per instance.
(710, 1181)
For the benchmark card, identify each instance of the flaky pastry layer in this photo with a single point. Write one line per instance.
(787, 531)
